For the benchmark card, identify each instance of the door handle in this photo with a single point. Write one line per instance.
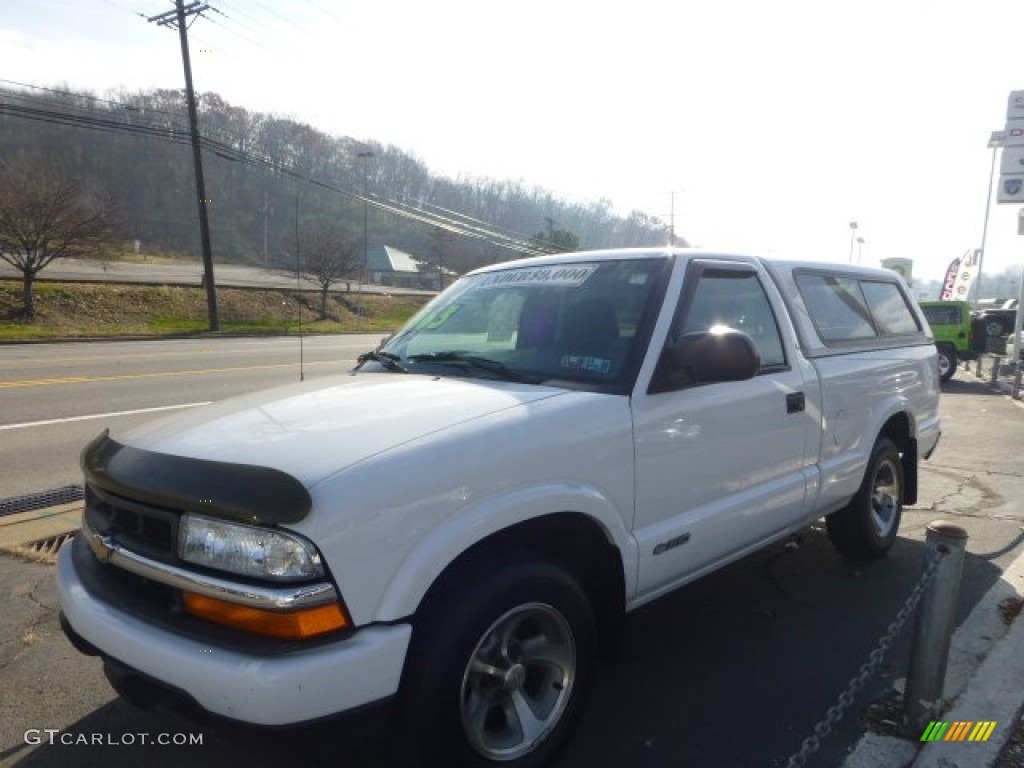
(795, 402)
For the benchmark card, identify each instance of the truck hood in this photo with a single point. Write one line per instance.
(316, 429)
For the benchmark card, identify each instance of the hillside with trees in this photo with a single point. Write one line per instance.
(264, 174)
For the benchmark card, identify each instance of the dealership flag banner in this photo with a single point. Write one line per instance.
(946, 292)
(966, 274)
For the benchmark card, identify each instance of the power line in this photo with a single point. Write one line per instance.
(391, 206)
(235, 32)
(450, 220)
(237, 15)
(88, 96)
(167, 133)
(136, 115)
(285, 19)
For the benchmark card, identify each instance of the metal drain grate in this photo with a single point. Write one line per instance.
(42, 500)
(46, 548)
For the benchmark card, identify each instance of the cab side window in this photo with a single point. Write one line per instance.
(847, 308)
(737, 300)
(732, 298)
(837, 307)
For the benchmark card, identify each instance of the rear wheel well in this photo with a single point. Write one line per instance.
(897, 429)
(571, 539)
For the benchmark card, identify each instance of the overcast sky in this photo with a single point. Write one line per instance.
(775, 124)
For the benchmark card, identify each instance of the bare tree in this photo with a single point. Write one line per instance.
(46, 215)
(325, 256)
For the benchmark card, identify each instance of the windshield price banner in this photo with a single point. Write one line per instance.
(555, 275)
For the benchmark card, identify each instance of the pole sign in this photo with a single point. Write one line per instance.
(1015, 105)
(1011, 168)
(1011, 188)
(1012, 161)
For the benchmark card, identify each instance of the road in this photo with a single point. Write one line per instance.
(733, 670)
(176, 273)
(54, 398)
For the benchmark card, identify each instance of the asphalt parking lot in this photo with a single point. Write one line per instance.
(734, 670)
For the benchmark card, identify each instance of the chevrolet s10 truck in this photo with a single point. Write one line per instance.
(456, 529)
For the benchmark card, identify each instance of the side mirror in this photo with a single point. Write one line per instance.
(706, 357)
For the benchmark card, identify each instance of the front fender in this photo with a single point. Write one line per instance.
(457, 535)
(388, 526)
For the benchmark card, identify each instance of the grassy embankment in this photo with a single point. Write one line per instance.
(78, 310)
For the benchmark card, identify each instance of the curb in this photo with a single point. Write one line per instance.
(994, 693)
(991, 690)
(19, 533)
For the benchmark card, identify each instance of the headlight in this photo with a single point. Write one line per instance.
(261, 553)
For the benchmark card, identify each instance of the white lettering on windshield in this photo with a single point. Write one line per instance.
(557, 275)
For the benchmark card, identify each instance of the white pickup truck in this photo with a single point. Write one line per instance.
(458, 527)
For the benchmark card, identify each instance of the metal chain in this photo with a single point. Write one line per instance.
(835, 713)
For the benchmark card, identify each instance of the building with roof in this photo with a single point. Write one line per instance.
(386, 265)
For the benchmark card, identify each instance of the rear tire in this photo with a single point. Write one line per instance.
(947, 362)
(500, 668)
(866, 529)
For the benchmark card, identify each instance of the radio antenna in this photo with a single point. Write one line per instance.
(298, 287)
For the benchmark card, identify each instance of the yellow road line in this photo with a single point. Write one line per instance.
(131, 376)
(321, 341)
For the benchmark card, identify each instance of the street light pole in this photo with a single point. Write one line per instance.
(860, 249)
(995, 141)
(853, 238)
(365, 157)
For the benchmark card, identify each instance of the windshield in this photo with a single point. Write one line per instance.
(574, 323)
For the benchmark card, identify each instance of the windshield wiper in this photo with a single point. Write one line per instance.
(494, 367)
(387, 359)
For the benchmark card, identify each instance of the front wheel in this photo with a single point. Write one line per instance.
(867, 527)
(499, 672)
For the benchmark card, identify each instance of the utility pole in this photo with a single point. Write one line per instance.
(365, 157)
(177, 18)
(266, 232)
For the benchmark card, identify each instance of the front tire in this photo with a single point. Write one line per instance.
(866, 529)
(500, 668)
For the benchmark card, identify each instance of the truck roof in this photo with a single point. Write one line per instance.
(666, 252)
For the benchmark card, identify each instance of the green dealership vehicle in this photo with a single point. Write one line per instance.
(958, 336)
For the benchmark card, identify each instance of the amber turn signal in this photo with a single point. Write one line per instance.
(290, 625)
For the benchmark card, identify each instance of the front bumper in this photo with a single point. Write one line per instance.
(286, 689)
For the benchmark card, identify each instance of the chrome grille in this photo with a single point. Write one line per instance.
(146, 529)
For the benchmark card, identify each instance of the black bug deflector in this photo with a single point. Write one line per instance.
(243, 492)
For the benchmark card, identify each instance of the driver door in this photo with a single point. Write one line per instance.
(720, 468)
